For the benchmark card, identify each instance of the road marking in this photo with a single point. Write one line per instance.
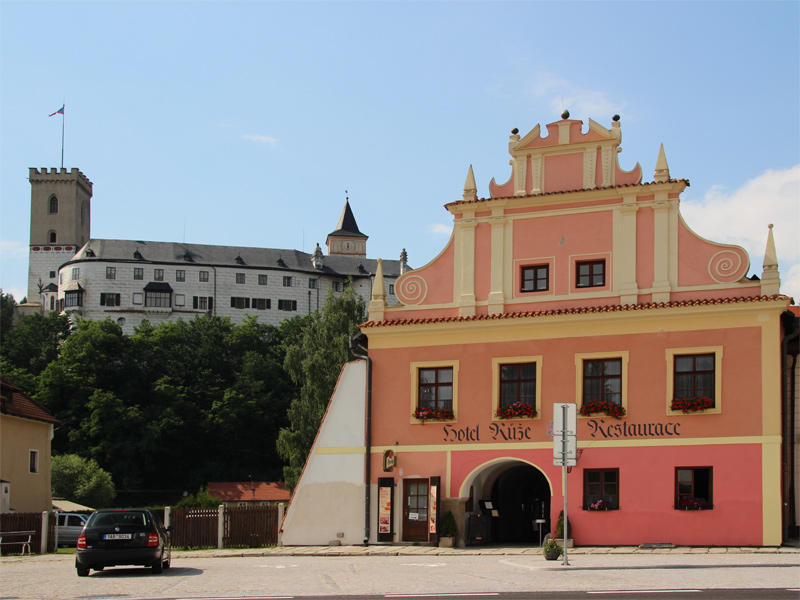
(646, 592)
(425, 564)
(272, 567)
(438, 595)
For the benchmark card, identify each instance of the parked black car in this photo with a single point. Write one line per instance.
(128, 536)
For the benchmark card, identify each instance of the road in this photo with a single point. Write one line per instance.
(688, 577)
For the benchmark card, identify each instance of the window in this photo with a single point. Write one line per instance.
(138, 273)
(391, 288)
(312, 284)
(287, 304)
(109, 299)
(693, 488)
(262, 280)
(339, 286)
(53, 205)
(73, 298)
(601, 377)
(76, 274)
(52, 274)
(602, 380)
(53, 237)
(111, 272)
(33, 461)
(535, 279)
(239, 277)
(287, 281)
(180, 275)
(261, 303)
(61, 277)
(158, 299)
(240, 303)
(158, 274)
(692, 374)
(591, 273)
(601, 489)
(203, 302)
(203, 276)
(518, 384)
(436, 388)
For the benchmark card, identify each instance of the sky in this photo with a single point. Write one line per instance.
(248, 123)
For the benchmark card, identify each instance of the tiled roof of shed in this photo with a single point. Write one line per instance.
(574, 311)
(14, 402)
(242, 491)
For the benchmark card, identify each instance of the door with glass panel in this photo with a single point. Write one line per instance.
(415, 510)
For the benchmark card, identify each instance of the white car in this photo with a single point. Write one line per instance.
(70, 526)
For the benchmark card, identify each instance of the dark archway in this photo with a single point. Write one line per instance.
(521, 495)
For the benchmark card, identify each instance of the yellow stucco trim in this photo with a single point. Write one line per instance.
(606, 324)
(770, 490)
(671, 353)
(771, 361)
(448, 473)
(548, 445)
(583, 356)
(514, 360)
(414, 401)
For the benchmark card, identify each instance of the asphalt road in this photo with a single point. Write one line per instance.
(688, 577)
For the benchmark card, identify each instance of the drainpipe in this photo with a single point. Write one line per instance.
(788, 429)
(356, 343)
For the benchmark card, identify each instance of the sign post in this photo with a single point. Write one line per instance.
(565, 446)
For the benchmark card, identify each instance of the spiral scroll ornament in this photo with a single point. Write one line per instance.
(725, 266)
(412, 290)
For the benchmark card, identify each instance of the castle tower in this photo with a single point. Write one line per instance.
(60, 224)
(347, 240)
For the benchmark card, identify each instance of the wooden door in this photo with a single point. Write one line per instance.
(415, 510)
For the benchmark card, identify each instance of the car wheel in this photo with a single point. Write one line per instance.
(158, 566)
(167, 563)
(82, 571)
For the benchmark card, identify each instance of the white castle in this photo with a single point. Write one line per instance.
(132, 281)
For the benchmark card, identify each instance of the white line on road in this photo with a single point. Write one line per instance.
(646, 592)
(437, 595)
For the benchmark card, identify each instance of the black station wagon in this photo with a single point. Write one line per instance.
(116, 537)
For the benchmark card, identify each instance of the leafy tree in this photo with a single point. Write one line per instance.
(7, 306)
(203, 499)
(314, 364)
(35, 342)
(80, 480)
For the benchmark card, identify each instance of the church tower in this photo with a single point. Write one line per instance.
(60, 224)
(347, 240)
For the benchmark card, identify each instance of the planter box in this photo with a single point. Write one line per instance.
(446, 542)
(560, 542)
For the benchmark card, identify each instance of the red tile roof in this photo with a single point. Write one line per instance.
(242, 491)
(574, 311)
(14, 402)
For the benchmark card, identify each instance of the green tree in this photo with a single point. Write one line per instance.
(35, 342)
(7, 306)
(80, 480)
(314, 363)
(202, 499)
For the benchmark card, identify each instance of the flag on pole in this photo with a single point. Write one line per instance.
(60, 111)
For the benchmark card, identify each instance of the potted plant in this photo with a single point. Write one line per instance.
(595, 406)
(687, 405)
(447, 530)
(551, 550)
(433, 414)
(558, 536)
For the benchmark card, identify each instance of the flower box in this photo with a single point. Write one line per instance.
(433, 414)
(687, 405)
(591, 407)
(516, 410)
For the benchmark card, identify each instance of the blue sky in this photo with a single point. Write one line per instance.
(243, 123)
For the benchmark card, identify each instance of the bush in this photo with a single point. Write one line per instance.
(448, 528)
(200, 500)
(80, 480)
(559, 534)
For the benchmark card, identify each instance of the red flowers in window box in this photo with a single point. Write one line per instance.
(602, 406)
(687, 405)
(433, 414)
(518, 409)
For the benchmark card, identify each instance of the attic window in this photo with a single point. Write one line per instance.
(239, 260)
(361, 269)
(280, 262)
(138, 255)
(89, 253)
(188, 257)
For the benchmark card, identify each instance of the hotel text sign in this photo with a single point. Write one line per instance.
(598, 429)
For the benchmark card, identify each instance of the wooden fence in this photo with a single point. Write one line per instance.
(241, 527)
(28, 522)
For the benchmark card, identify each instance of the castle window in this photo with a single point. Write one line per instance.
(109, 299)
(240, 303)
(180, 275)
(287, 281)
(262, 280)
(203, 275)
(261, 303)
(111, 272)
(312, 284)
(73, 298)
(391, 289)
(53, 237)
(158, 274)
(53, 205)
(287, 305)
(158, 299)
(240, 278)
(76, 273)
(138, 273)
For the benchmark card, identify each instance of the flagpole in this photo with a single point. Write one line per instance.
(63, 118)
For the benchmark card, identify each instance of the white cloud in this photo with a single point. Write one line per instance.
(441, 230)
(13, 249)
(742, 216)
(260, 139)
(581, 102)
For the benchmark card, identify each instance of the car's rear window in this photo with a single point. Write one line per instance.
(118, 518)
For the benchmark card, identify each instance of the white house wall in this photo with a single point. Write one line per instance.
(328, 502)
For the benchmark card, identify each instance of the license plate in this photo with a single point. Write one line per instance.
(117, 536)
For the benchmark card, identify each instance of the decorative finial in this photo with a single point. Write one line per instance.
(514, 131)
(615, 118)
(565, 114)
(346, 197)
